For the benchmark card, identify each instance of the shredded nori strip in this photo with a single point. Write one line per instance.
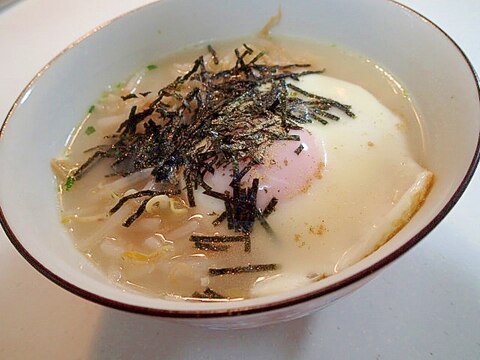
(212, 51)
(219, 238)
(240, 208)
(242, 269)
(330, 102)
(215, 119)
(211, 247)
(299, 149)
(78, 173)
(270, 207)
(149, 193)
(212, 242)
(129, 96)
(263, 221)
(216, 194)
(219, 219)
(248, 245)
(124, 199)
(136, 214)
(208, 294)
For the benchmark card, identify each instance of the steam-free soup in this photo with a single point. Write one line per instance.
(244, 172)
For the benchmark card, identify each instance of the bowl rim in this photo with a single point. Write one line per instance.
(240, 310)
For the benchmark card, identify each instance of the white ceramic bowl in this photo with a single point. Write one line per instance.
(436, 72)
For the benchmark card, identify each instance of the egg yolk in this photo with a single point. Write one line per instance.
(289, 167)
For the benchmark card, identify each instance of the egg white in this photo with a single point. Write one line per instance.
(370, 187)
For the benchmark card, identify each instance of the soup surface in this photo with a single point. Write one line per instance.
(241, 179)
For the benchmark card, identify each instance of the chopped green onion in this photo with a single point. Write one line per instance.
(151, 67)
(91, 109)
(90, 130)
(69, 183)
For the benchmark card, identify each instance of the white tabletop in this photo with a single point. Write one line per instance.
(425, 306)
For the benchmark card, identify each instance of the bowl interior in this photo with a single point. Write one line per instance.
(428, 64)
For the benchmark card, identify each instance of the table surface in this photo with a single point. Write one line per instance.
(425, 306)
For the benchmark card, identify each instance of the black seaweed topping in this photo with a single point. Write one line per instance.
(216, 242)
(206, 120)
(299, 149)
(208, 294)
(212, 51)
(242, 269)
(129, 96)
(144, 193)
(270, 207)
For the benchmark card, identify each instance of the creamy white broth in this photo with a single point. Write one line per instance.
(367, 173)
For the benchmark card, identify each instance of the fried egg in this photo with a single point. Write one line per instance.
(367, 188)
